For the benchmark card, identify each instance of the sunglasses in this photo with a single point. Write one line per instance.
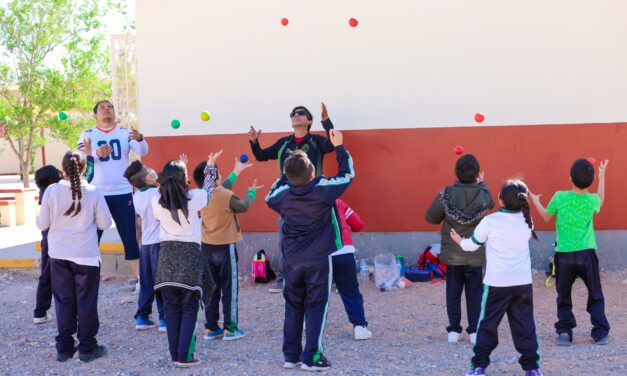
(299, 113)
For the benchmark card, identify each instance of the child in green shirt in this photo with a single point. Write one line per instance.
(575, 254)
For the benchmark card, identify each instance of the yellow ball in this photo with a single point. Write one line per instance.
(205, 116)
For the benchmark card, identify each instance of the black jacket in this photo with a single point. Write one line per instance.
(314, 145)
(311, 229)
(460, 206)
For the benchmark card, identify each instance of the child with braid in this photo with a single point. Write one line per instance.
(507, 286)
(72, 211)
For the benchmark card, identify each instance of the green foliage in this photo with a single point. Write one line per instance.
(56, 59)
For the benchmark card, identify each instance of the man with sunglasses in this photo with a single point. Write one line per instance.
(314, 145)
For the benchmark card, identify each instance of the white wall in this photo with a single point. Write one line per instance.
(409, 63)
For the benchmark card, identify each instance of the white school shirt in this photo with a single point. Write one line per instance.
(109, 171)
(73, 238)
(142, 199)
(506, 238)
(189, 229)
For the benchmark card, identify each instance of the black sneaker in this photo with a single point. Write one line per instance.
(321, 365)
(94, 354)
(64, 357)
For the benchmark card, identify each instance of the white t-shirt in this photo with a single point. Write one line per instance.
(109, 171)
(142, 200)
(506, 238)
(189, 229)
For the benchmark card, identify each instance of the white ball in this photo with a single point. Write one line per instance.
(401, 284)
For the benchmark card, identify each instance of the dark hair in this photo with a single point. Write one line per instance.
(173, 189)
(298, 168)
(45, 176)
(199, 174)
(136, 174)
(101, 102)
(467, 169)
(308, 113)
(514, 195)
(73, 165)
(582, 173)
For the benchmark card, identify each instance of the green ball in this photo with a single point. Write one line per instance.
(62, 115)
(175, 123)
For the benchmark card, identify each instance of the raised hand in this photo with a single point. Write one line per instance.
(254, 186)
(87, 146)
(534, 197)
(253, 135)
(135, 135)
(184, 158)
(239, 166)
(213, 157)
(481, 177)
(602, 167)
(104, 151)
(324, 115)
(336, 137)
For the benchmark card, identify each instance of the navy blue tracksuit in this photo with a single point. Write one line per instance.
(345, 277)
(75, 289)
(44, 286)
(309, 235)
(148, 263)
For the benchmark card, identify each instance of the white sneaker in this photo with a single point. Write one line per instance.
(453, 337)
(136, 290)
(291, 365)
(42, 320)
(362, 333)
(473, 338)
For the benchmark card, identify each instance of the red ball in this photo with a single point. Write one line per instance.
(353, 22)
(284, 21)
(459, 150)
(479, 118)
(591, 160)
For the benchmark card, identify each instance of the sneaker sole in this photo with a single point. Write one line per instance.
(144, 327)
(163, 330)
(290, 365)
(186, 365)
(275, 291)
(37, 321)
(313, 368)
(226, 338)
(212, 338)
(363, 338)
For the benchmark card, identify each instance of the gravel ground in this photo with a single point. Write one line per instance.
(408, 327)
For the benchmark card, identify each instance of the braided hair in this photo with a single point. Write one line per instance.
(173, 189)
(73, 166)
(514, 195)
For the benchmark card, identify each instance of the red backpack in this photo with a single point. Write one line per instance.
(430, 262)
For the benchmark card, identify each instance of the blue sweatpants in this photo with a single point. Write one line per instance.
(181, 309)
(123, 214)
(345, 277)
(148, 262)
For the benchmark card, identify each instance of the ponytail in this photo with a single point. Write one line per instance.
(524, 205)
(73, 165)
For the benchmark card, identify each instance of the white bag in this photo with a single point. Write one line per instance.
(386, 273)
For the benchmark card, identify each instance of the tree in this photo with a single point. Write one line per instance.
(55, 59)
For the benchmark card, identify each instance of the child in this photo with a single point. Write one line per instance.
(144, 179)
(72, 211)
(181, 272)
(309, 235)
(44, 177)
(575, 254)
(344, 273)
(507, 284)
(461, 206)
(220, 233)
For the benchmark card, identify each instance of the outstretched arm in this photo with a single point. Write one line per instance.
(326, 146)
(535, 199)
(333, 188)
(211, 174)
(601, 190)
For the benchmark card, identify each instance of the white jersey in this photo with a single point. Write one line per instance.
(506, 238)
(142, 199)
(109, 171)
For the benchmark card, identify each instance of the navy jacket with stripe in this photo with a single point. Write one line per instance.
(310, 227)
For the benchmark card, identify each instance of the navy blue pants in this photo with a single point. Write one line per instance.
(345, 277)
(306, 293)
(181, 309)
(148, 262)
(44, 286)
(123, 214)
(517, 302)
(75, 290)
(222, 260)
(569, 266)
(461, 278)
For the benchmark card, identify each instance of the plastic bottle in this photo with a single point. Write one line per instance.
(400, 264)
(363, 270)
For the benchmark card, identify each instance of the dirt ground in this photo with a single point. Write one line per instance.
(408, 326)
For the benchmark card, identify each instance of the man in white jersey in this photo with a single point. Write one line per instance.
(111, 145)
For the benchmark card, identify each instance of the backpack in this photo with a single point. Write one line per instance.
(262, 272)
(428, 261)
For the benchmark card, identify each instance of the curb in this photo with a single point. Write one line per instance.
(30, 263)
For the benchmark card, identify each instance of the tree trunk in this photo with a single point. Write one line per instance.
(24, 167)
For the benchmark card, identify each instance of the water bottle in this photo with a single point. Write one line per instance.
(400, 264)
(363, 270)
